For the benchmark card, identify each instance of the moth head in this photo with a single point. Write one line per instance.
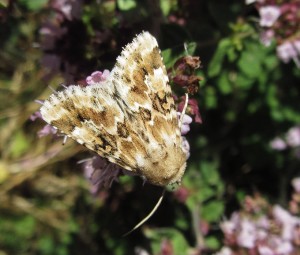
(166, 172)
(176, 178)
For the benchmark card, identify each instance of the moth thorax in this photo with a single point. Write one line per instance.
(167, 171)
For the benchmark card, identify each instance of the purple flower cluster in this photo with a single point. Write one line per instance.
(280, 21)
(58, 39)
(262, 229)
(291, 140)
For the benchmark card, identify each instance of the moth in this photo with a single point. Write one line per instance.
(130, 118)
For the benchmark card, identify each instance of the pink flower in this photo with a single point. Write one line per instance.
(286, 52)
(266, 37)
(97, 77)
(100, 172)
(268, 15)
(293, 137)
(186, 146)
(247, 235)
(69, 8)
(263, 222)
(36, 115)
(186, 121)
(250, 1)
(285, 247)
(297, 45)
(296, 184)
(287, 220)
(265, 250)
(192, 109)
(278, 144)
(181, 194)
(47, 130)
(228, 227)
(166, 247)
(225, 251)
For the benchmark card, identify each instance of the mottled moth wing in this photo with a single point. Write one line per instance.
(130, 119)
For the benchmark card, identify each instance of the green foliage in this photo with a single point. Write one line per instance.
(126, 5)
(33, 5)
(178, 241)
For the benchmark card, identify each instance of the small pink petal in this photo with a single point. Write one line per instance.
(97, 77)
(296, 184)
(286, 52)
(278, 144)
(268, 15)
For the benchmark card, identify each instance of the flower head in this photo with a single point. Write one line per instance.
(97, 77)
(268, 15)
(278, 144)
(293, 137)
(100, 172)
(296, 184)
(286, 52)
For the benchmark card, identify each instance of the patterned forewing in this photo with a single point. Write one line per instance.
(147, 97)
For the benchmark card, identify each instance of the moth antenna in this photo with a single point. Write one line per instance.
(184, 109)
(149, 215)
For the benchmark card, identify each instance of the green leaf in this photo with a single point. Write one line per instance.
(167, 6)
(210, 98)
(249, 64)
(205, 194)
(224, 84)
(178, 241)
(4, 171)
(3, 3)
(126, 5)
(19, 144)
(215, 64)
(212, 211)
(243, 82)
(45, 244)
(34, 5)
(209, 172)
(212, 242)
